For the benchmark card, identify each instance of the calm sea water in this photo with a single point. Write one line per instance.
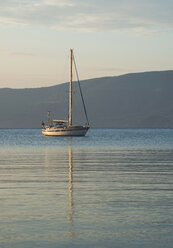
(112, 188)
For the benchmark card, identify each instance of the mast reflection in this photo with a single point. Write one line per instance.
(70, 187)
(70, 190)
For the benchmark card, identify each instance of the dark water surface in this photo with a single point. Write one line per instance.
(112, 188)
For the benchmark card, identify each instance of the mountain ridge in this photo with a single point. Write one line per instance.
(132, 100)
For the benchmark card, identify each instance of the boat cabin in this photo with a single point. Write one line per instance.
(59, 123)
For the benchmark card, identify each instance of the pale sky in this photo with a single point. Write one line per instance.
(109, 38)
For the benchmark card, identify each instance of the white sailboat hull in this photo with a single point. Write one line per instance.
(67, 131)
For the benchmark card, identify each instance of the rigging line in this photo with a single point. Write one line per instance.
(81, 91)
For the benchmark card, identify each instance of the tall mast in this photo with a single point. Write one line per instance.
(70, 89)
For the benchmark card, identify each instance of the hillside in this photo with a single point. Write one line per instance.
(127, 101)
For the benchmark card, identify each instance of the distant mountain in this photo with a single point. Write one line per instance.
(143, 100)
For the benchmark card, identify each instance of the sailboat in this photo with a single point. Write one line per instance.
(66, 127)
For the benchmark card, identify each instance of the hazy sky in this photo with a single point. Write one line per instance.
(109, 37)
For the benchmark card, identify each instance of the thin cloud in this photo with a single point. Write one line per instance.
(59, 3)
(89, 15)
(17, 53)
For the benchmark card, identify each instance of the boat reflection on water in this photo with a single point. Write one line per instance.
(70, 187)
(59, 175)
